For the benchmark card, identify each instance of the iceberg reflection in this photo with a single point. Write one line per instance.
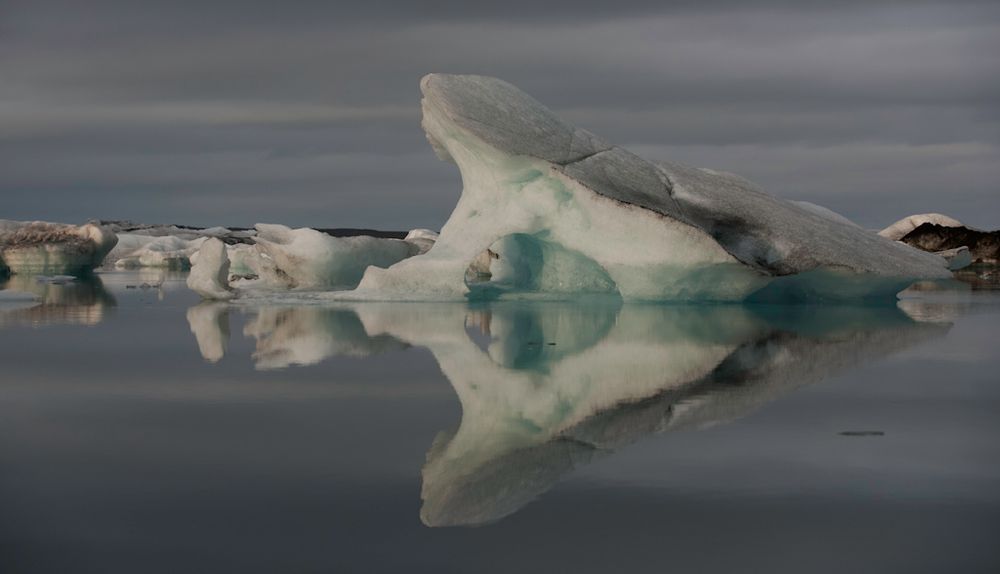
(75, 301)
(547, 387)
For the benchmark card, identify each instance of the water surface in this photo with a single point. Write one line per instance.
(144, 431)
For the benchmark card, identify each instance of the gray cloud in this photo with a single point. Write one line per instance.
(252, 111)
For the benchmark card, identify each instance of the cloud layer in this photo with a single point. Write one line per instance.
(308, 114)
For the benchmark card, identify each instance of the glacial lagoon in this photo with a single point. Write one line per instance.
(143, 430)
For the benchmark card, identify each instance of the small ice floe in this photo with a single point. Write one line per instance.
(957, 258)
(55, 279)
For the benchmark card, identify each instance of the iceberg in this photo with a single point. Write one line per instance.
(39, 247)
(904, 226)
(310, 259)
(982, 247)
(568, 212)
(957, 258)
(209, 275)
(166, 246)
(304, 259)
(166, 251)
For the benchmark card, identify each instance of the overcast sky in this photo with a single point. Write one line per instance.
(307, 113)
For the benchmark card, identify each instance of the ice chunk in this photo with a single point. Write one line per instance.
(957, 258)
(314, 260)
(38, 247)
(167, 251)
(608, 220)
(898, 230)
(209, 275)
(424, 239)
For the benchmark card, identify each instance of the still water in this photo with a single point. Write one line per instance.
(143, 431)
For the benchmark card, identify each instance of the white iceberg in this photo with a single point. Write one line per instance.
(901, 228)
(310, 259)
(582, 215)
(166, 251)
(39, 247)
(209, 275)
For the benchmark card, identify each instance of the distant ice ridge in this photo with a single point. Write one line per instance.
(40, 247)
(562, 211)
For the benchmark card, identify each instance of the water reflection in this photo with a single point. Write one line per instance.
(81, 301)
(306, 336)
(545, 388)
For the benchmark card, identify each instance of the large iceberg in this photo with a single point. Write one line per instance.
(39, 247)
(567, 212)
